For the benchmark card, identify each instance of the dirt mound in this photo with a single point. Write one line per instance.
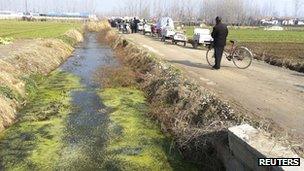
(19, 63)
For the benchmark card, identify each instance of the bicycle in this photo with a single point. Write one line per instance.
(240, 55)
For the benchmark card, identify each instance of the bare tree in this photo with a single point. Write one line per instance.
(297, 6)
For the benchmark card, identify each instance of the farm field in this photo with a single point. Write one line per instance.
(291, 35)
(281, 48)
(28, 30)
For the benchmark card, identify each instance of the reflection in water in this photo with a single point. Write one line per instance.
(85, 130)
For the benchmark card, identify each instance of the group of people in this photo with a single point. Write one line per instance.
(134, 25)
(219, 34)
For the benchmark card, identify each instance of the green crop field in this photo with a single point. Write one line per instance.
(260, 35)
(282, 48)
(28, 30)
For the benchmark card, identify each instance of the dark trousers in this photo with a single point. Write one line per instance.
(133, 29)
(218, 53)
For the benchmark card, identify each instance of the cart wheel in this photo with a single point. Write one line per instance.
(185, 43)
(173, 42)
(163, 39)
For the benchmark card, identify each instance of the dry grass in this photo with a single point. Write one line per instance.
(115, 76)
(97, 26)
(75, 34)
(39, 56)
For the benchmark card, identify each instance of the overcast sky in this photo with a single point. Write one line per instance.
(283, 7)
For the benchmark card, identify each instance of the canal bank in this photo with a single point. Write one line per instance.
(23, 59)
(72, 123)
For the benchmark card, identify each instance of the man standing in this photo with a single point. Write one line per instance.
(132, 24)
(136, 22)
(219, 34)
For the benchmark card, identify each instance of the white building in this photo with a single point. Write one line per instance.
(10, 15)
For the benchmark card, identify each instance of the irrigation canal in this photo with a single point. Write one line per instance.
(67, 125)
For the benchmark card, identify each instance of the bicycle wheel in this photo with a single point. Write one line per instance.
(210, 57)
(242, 57)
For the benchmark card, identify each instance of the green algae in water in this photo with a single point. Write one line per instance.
(34, 142)
(135, 141)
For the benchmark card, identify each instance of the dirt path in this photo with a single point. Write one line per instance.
(265, 90)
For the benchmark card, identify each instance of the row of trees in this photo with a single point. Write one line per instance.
(232, 11)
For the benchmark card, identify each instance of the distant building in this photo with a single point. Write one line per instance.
(29, 16)
(289, 22)
(269, 21)
(10, 15)
(301, 23)
(274, 28)
(286, 21)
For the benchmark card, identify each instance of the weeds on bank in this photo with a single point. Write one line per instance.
(33, 143)
(112, 77)
(9, 93)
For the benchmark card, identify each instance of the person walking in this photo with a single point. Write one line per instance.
(219, 35)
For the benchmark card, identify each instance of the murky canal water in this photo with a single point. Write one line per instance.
(65, 125)
(85, 130)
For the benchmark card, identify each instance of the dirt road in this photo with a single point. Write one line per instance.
(264, 90)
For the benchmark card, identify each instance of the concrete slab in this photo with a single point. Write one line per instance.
(248, 144)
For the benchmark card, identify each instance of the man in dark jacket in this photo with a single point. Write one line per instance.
(136, 22)
(219, 34)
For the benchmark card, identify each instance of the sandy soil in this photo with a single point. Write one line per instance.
(264, 90)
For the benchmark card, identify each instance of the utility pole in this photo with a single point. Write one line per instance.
(26, 10)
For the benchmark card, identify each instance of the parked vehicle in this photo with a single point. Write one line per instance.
(167, 33)
(126, 28)
(140, 26)
(120, 26)
(164, 27)
(153, 30)
(179, 37)
(147, 29)
(201, 37)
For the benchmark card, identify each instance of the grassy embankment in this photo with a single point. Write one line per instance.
(48, 44)
(34, 142)
(277, 47)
